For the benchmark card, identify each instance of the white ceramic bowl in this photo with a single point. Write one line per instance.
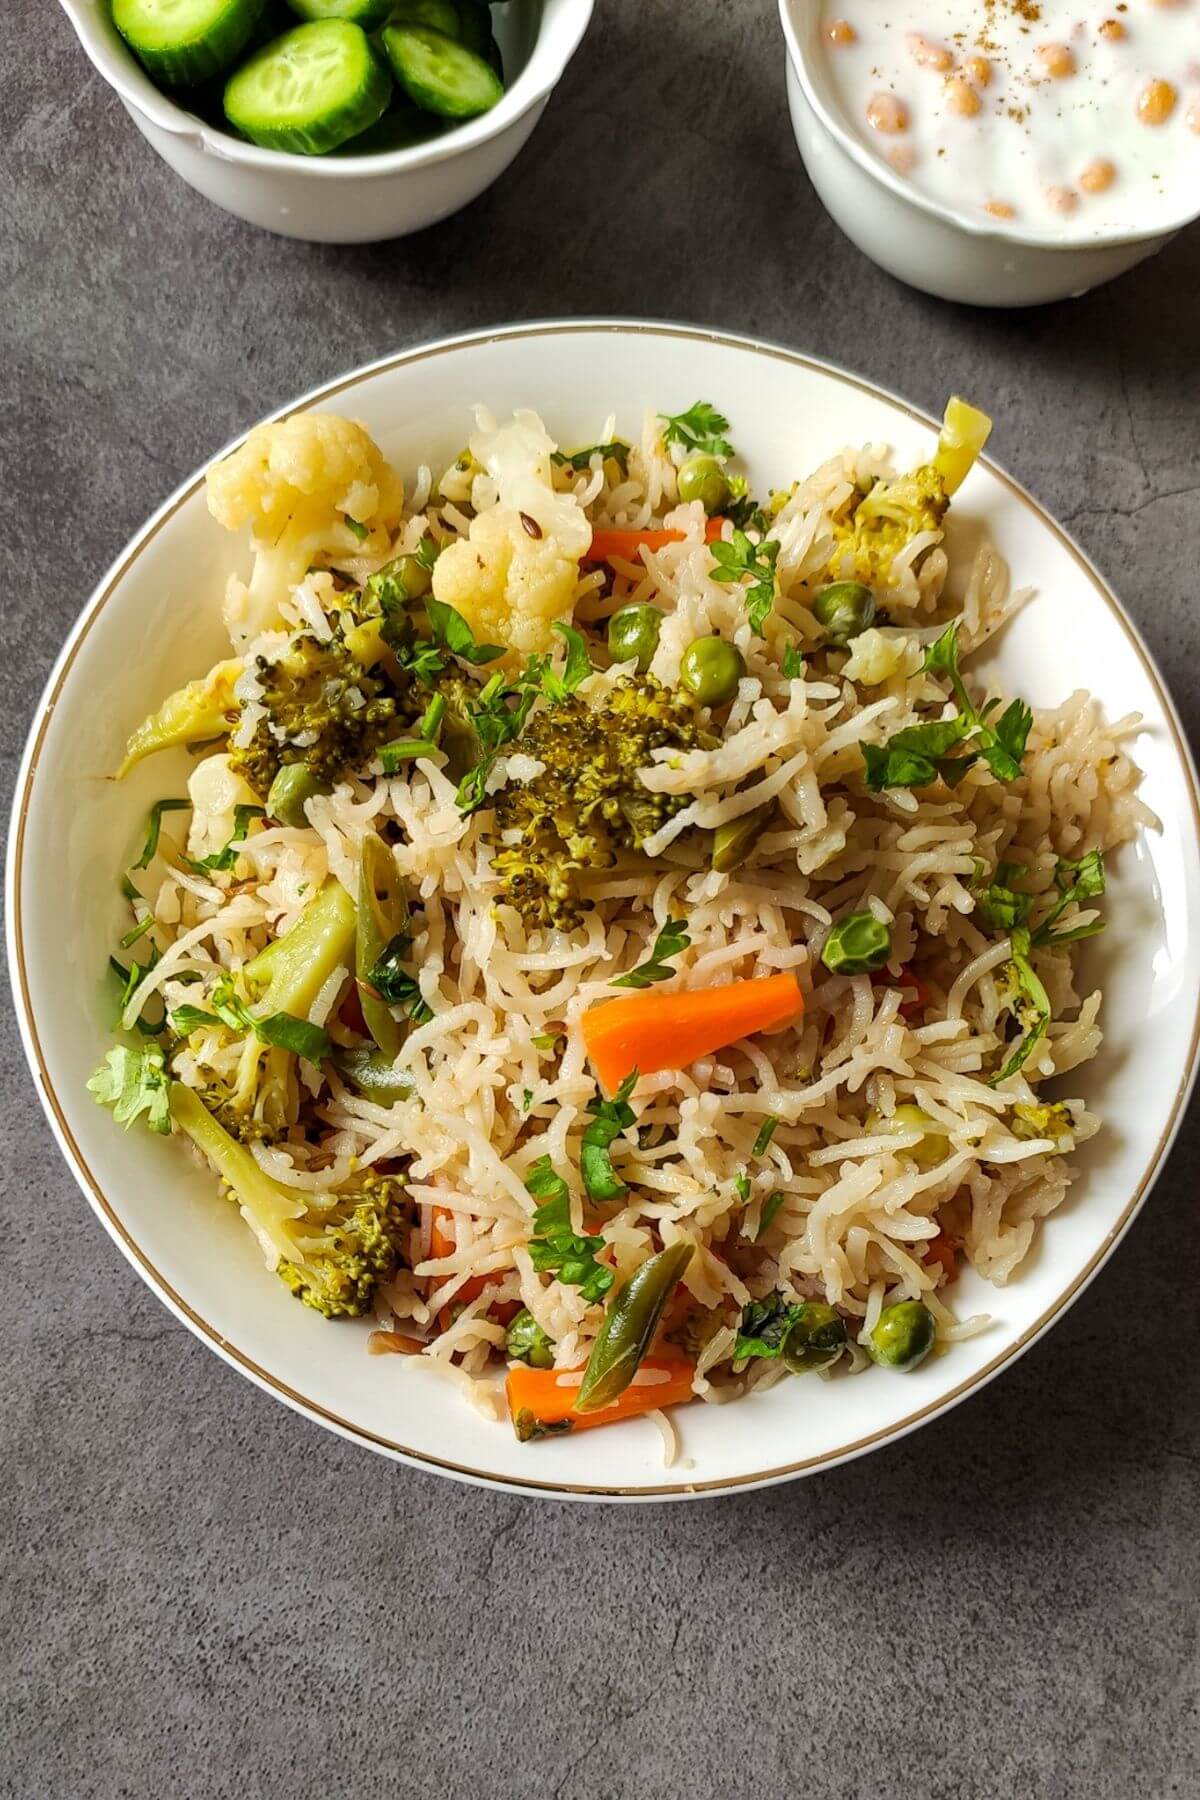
(347, 199)
(72, 827)
(952, 254)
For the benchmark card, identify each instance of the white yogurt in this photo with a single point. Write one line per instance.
(1070, 118)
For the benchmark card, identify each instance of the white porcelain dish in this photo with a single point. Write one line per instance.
(347, 199)
(953, 254)
(71, 826)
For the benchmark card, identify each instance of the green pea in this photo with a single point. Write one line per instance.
(702, 478)
(630, 1322)
(293, 785)
(733, 842)
(633, 632)
(711, 669)
(844, 608)
(857, 944)
(816, 1339)
(903, 1335)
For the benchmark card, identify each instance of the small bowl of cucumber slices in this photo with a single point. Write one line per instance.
(337, 121)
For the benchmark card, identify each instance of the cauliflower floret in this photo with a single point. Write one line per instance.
(295, 483)
(509, 587)
(875, 656)
(516, 456)
(517, 570)
(214, 790)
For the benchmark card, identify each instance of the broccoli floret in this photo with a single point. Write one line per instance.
(587, 803)
(247, 1126)
(325, 708)
(331, 1257)
(344, 1253)
(882, 520)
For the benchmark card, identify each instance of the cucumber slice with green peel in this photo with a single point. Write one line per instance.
(181, 43)
(400, 128)
(367, 13)
(439, 75)
(438, 15)
(310, 90)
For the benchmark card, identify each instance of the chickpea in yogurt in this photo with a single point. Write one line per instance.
(1156, 102)
(1098, 175)
(928, 55)
(887, 114)
(1056, 61)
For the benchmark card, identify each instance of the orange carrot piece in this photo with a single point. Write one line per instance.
(943, 1250)
(911, 984)
(609, 541)
(650, 1031)
(539, 1407)
(442, 1242)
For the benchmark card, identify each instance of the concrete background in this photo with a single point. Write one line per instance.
(203, 1595)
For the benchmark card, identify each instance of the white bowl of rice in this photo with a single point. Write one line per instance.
(1026, 1144)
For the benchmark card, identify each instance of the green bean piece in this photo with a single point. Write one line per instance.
(293, 785)
(460, 742)
(702, 478)
(526, 1342)
(857, 944)
(629, 1326)
(733, 842)
(710, 669)
(296, 966)
(382, 913)
(816, 1339)
(633, 632)
(373, 1074)
(903, 1335)
(844, 608)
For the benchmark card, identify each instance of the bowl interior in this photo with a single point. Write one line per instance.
(154, 623)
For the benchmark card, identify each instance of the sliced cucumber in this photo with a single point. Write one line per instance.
(401, 126)
(367, 13)
(436, 73)
(181, 43)
(438, 15)
(310, 90)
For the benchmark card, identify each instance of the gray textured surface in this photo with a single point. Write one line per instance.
(203, 1595)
